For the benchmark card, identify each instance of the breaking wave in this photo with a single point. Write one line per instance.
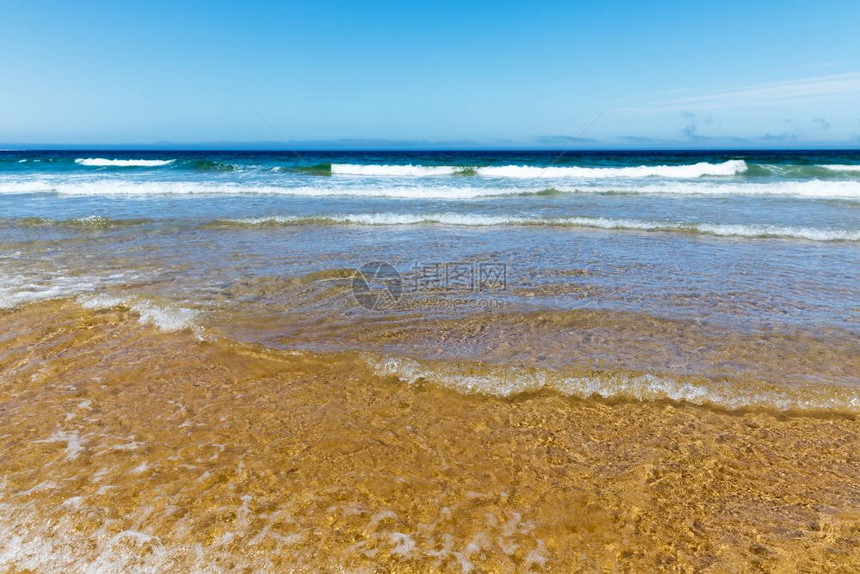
(512, 381)
(727, 168)
(816, 189)
(164, 317)
(102, 162)
(472, 220)
(392, 170)
(840, 167)
(16, 291)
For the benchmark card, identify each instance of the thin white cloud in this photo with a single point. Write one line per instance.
(794, 91)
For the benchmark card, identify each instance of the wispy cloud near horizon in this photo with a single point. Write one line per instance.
(794, 91)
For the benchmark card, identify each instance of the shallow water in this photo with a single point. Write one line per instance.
(129, 448)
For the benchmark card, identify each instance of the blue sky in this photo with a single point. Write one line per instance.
(435, 74)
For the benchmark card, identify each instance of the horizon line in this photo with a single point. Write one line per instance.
(10, 148)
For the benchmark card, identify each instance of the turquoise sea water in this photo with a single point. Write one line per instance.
(804, 195)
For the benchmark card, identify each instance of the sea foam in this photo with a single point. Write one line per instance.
(511, 381)
(817, 189)
(727, 168)
(392, 170)
(19, 290)
(102, 162)
(474, 220)
(164, 317)
(841, 167)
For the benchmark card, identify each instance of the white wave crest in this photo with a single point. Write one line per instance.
(758, 230)
(816, 189)
(813, 189)
(102, 162)
(474, 220)
(15, 291)
(104, 187)
(18, 290)
(841, 167)
(164, 317)
(392, 170)
(506, 382)
(727, 168)
(386, 219)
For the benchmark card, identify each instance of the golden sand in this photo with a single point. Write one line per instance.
(127, 448)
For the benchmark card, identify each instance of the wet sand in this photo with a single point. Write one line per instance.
(124, 447)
